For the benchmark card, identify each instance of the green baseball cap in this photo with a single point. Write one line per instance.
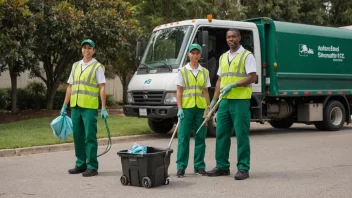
(88, 41)
(195, 46)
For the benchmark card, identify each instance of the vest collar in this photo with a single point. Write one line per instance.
(90, 62)
(188, 67)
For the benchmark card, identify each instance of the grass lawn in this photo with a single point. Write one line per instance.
(37, 132)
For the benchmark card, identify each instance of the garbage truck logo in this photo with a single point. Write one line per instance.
(304, 50)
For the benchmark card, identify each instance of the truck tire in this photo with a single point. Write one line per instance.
(160, 125)
(212, 127)
(334, 116)
(281, 124)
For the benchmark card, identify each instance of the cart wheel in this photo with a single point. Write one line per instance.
(124, 180)
(146, 182)
(167, 181)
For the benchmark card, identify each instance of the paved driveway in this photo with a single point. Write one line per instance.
(299, 162)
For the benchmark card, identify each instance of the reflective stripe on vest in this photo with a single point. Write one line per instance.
(85, 88)
(234, 71)
(192, 94)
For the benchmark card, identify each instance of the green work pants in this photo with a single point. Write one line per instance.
(85, 137)
(190, 123)
(233, 113)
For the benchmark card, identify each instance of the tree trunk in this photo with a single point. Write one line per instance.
(124, 88)
(13, 76)
(125, 79)
(51, 92)
(53, 74)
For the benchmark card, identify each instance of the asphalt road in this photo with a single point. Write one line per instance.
(298, 162)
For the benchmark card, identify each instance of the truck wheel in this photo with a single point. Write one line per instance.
(334, 117)
(212, 127)
(281, 124)
(160, 125)
(211, 130)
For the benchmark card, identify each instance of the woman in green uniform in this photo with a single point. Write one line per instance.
(192, 100)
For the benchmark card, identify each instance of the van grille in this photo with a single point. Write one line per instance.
(150, 97)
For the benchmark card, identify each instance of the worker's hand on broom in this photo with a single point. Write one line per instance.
(104, 114)
(206, 112)
(180, 114)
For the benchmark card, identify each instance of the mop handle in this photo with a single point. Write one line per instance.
(173, 135)
(209, 115)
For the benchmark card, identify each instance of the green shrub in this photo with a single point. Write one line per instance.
(5, 98)
(59, 99)
(110, 101)
(36, 95)
(36, 88)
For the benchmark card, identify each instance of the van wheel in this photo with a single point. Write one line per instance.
(334, 117)
(211, 130)
(212, 127)
(281, 124)
(160, 125)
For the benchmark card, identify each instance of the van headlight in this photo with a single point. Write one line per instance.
(129, 97)
(170, 98)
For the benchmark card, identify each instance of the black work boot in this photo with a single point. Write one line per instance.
(200, 172)
(241, 175)
(218, 172)
(76, 170)
(90, 173)
(180, 173)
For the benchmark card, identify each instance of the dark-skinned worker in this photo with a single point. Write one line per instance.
(86, 83)
(237, 71)
(192, 101)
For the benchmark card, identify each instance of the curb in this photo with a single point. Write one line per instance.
(70, 146)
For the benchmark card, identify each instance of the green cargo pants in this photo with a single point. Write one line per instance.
(85, 137)
(191, 122)
(233, 113)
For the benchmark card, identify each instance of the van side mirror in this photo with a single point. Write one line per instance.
(205, 35)
(138, 52)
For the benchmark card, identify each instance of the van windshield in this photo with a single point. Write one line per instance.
(166, 46)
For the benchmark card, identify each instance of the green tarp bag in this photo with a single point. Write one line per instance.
(62, 127)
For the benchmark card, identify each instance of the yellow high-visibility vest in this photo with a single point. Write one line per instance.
(192, 94)
(85, 89)
(234, 71)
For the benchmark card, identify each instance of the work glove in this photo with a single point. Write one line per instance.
(227, 88)
(206, 112)
(63, 111)
(104, 114)
(180, 113)
(212, 103)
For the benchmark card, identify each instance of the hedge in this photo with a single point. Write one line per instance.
(33, 96)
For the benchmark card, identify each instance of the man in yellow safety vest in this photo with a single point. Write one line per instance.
(236, 73)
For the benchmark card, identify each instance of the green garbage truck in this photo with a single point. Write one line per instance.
(304, 72)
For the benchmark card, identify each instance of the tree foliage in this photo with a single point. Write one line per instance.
(50, 31)
(63, 25)
(16, 41)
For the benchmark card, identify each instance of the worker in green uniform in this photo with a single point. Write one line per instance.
(237, 71)
(86, 83)
(192, 101)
